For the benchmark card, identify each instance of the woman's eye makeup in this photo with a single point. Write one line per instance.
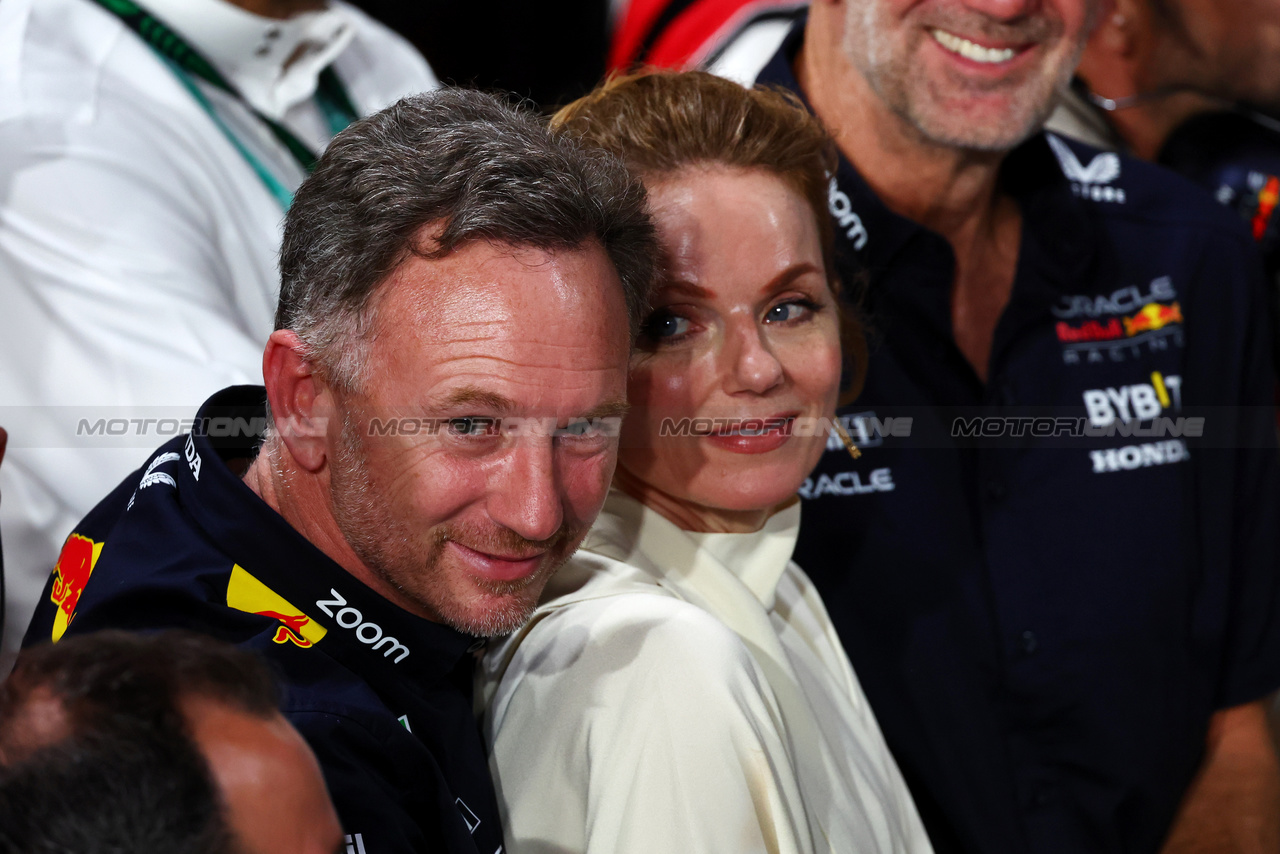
(792, 309)
(665, 325)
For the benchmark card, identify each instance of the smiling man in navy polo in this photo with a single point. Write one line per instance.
(444, 386)
(1054, 567)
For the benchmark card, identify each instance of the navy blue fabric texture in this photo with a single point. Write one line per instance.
(1236, 156)
(1046, 609)
(382, 696)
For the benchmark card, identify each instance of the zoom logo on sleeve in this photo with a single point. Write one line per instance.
(367, 633)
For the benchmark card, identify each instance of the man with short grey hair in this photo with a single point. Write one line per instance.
(148, 151)
(459, 292)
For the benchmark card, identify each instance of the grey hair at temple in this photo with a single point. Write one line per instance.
(474, 165)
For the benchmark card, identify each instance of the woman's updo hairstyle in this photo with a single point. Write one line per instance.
(660, 122)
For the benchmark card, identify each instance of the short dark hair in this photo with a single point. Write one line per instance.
(126, 776)
(116, 681)
(480, 168)
(141, 790)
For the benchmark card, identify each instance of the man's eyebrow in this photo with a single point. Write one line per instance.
(473, 396)
(494, 402)
(608, 409)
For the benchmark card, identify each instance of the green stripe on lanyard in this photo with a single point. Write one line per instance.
(185, 62)
(277, 189)
(334, 101)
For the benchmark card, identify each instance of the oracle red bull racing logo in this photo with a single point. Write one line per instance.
(1116, 327)
(248, 594)
(70, 575)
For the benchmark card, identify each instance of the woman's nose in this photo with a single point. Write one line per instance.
(752, 366)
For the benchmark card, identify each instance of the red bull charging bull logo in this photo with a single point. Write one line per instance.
(248, 594)
(1152, 317)
(291, 631)
(75, 564)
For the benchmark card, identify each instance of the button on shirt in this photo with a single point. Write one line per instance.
(382, 696)
(137, 244)
(1047, 583)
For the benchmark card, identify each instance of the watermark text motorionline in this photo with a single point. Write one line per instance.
(999, 426)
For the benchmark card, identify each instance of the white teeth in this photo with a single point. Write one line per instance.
(969, 50)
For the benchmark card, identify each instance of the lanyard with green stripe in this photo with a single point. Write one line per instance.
(185, 62)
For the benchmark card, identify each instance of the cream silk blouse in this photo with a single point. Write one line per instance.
(686, 692)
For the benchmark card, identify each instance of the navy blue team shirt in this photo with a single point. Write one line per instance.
(1045, 610)
(382, 696)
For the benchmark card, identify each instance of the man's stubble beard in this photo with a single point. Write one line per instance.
(890, 76)
(386, 546)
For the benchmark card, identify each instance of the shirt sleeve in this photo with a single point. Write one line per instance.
(125, 286)
(1251, 664)
(640, 723)
(119, 289)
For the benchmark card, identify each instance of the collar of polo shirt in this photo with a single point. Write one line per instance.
(275, 64)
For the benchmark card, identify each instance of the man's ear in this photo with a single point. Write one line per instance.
(301, 401)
